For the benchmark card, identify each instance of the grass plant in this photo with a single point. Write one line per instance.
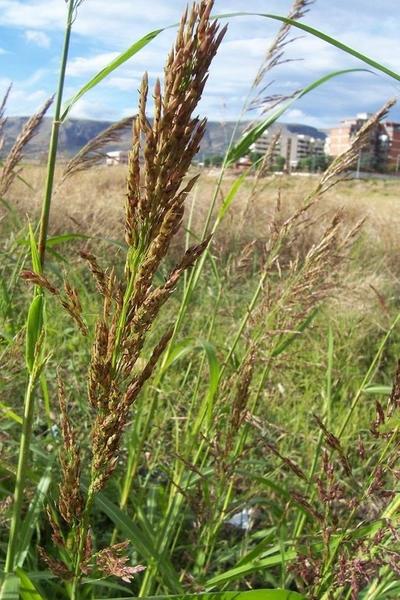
(216, 399)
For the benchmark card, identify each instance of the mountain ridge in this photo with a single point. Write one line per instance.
(75, 133)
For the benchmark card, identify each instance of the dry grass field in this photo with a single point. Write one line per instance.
(199, 371)
(91, 203)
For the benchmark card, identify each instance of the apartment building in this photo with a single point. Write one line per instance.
(294, 143)
(382, 149)
(392, 130)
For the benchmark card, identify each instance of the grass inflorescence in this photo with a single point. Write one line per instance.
(204, 391)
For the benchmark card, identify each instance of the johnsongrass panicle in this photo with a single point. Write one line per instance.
(69, 300)
(3, 118)
(70, 502)
(156, 193)
(15, 155)
(94, 151)
(339, 167)
(154, 206)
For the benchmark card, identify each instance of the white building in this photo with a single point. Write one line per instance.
(117, 157)
(294, 143)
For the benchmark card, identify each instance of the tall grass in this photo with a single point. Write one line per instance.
(189, 457)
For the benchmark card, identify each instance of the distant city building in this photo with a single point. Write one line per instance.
(117, 157)
(382, 150)
(392, 130)
(295, 143)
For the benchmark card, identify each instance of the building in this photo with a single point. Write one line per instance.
(381, 151)
(392, 130)
(294, 143)
(117, 157)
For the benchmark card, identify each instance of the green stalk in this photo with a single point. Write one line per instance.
(29, 403)
(20, 476)
(53, 146)
(82, 532)
(368, 377)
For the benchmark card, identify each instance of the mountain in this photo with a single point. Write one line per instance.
(75, 133)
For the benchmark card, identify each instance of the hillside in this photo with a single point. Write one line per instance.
(75, 133)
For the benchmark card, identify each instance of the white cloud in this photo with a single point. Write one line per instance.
(39, 38)
(81, 66)
(125, 84)
(3, 51)
(104, 28)
(97, 108)
(120, 20)
(23, 103)
(33, 14)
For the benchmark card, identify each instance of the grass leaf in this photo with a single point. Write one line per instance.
(255, 132)
(117, 62)
(140, 540)
(321, 35)
(33, 329)
(251, 567)
(30, 522)
(10, 587)
(27, 590)
(247, 595)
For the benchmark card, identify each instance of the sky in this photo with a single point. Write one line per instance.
(31, 35)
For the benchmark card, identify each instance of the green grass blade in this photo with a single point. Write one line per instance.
(237, 184)
(383, 390)
(34, 252)
(182, 348)
(321, 35)
(187, 345)
(141, 541)
(27, 590)
(33, 330)
(10, 587)
(251, 136)
(9, 413)
(137, 46)
(30, 522)
(248, 595)
(251, 567)
(117, 62)
(287, 341)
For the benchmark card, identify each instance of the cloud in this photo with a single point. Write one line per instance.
(39, 38)
(97, 107)
(103, 29)
(33, 14)
(3, 51)
(23, 103)
(125, 84)
(81, 66)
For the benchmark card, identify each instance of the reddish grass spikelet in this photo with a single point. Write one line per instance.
(110, 562)
(394, 400)
(56, 566)
(9, 170)
(288, 462)
(70, 502)
(334, 443)
(69, 300)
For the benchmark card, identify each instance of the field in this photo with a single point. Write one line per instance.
(219, 478)
(200, 376)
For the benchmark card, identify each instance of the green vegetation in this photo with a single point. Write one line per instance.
(187, 412)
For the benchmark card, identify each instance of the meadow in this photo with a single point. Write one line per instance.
(199, 385)
(232, 502)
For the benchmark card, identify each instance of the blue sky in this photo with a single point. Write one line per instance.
(31, 34)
